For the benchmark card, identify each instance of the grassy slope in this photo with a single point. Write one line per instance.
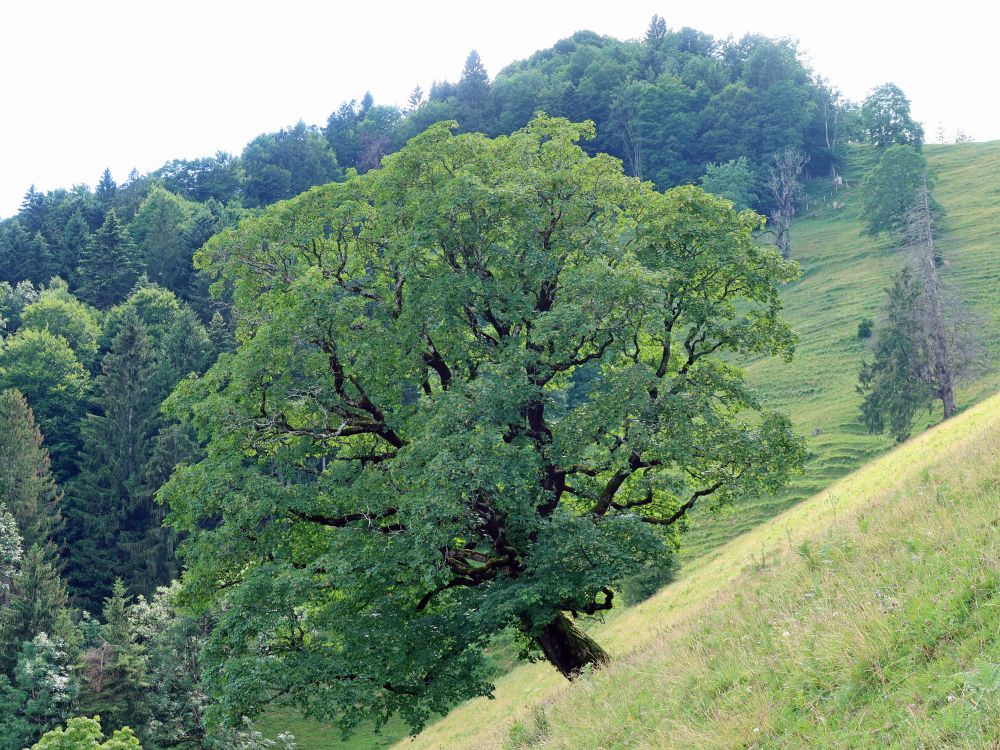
(843, 279)
(844, 275)
(868, 616)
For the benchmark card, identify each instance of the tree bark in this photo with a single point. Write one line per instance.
(568, 648)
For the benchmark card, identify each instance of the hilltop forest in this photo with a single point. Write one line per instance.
(470, 385)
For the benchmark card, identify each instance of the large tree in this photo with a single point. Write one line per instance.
(886, 119)
(395, 463)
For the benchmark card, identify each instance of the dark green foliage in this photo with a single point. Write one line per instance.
(27, 489)
(393, 442)
(893, 383)
(283, 164)
(38, 604)
(865, 328)
(39, 694)
(888, 191)
(649, 579)
(885, 117)
(106, 508)
(218, 177)
(108, 267)
(115, 669)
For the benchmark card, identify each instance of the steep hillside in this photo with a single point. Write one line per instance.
(867, 616)
(843, 280)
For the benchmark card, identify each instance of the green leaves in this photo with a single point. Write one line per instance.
(472, 390)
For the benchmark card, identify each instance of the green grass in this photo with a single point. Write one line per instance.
(843, 279)
(867, 616)
(844, 275)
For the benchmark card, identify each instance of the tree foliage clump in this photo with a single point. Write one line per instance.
(888, 190)
(395, 461)
(886, 119)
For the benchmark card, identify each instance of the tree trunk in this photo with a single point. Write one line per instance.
(568, 648)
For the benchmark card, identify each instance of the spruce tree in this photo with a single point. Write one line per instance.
(116, 684)
(75, 238)
(27, 488)
(101, 504)
(38, 604)
(107, 269)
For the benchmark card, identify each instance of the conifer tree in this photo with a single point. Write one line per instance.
(115, 671)
(101, 502)
(107, 269)
(27, 488)
(75, 238)
(38, 604)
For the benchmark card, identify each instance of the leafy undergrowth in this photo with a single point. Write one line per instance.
(868, 616)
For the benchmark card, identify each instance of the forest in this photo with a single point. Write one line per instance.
(310, 425)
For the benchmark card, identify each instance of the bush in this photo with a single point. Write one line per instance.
(865, 328)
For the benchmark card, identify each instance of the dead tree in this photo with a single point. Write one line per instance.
(785, 185)
(952, 346)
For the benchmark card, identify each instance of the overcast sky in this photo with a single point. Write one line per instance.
(89, 85)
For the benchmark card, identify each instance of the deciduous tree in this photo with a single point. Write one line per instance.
(393, 463)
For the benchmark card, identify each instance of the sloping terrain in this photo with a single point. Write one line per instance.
(844, 275)
(866, 616)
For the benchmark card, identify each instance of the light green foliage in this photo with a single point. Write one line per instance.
(392, 443)
(733, 180)
(59, 312)
(27, 488)
(43, 367)
(890, 188)
(155, 306)
(13, 300)
(885, 117)
(10, 555)
(85, 734)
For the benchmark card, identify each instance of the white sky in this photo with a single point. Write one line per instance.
(89, 85)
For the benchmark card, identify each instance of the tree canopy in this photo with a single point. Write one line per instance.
(402, 457)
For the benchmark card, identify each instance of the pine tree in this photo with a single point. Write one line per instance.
(101, 503)
(106, 190)
(75, 238)
(475, 99)
(107, 270)
(27, 488)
